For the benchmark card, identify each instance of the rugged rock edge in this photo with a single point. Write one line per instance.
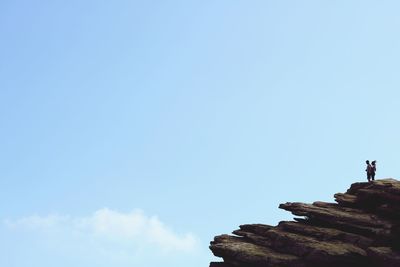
(361, 229)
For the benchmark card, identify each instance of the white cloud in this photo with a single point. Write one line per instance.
(134, 230)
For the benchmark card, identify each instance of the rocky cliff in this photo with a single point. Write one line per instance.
(361, 229)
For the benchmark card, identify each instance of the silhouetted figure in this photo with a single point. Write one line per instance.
(368, 170)
(373, 170)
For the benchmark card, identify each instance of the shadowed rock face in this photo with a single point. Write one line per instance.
(361, 229)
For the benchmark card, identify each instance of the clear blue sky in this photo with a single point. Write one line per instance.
(202, 114)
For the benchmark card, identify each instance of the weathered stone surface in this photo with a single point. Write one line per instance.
(371, 196)
(384, 256)
(346, 199)
(238, 252)
(348, 219)
(256, 228)
(362, 229)
(325, 234)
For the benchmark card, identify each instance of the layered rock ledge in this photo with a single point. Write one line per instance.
(361, 229)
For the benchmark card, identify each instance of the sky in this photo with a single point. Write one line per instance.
(133, 132)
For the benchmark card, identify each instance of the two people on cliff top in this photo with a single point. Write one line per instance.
(371, 170)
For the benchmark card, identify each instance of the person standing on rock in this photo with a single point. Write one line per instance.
(368, 170)
(373, 170)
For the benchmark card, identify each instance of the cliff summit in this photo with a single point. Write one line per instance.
(361, 229)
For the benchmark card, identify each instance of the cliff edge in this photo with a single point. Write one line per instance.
(361, 229)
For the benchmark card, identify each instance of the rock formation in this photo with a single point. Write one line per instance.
(361, 229)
